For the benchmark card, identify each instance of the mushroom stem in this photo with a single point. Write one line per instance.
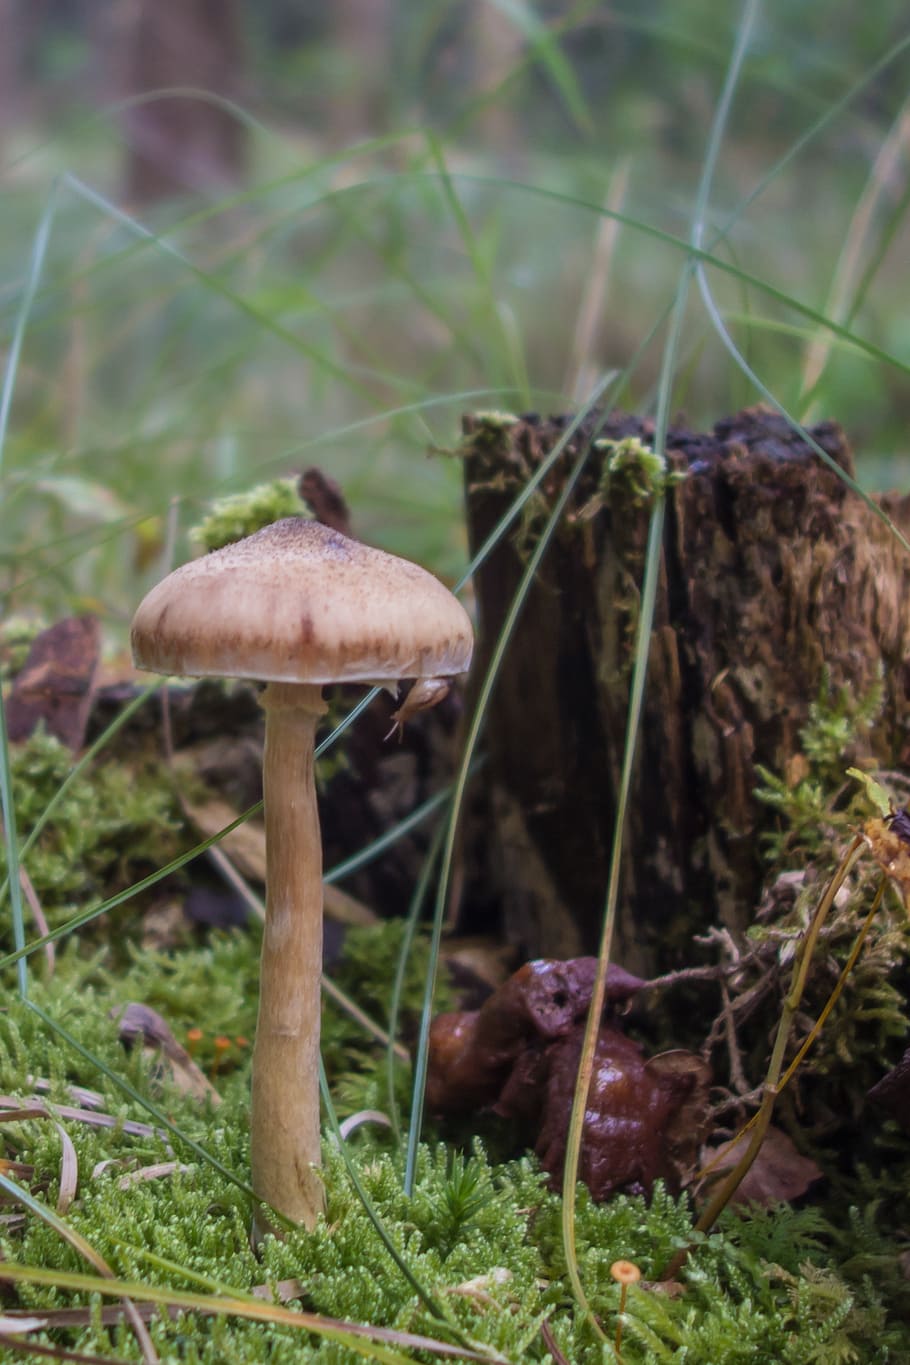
(285, 1126)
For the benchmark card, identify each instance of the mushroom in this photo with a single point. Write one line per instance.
(297, 605)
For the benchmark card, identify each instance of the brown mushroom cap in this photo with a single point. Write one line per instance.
(299, 602)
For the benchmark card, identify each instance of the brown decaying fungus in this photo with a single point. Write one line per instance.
(473, 1052)
(297, 605)
(518, 1056)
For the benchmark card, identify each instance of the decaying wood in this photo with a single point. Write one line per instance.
(776, 583)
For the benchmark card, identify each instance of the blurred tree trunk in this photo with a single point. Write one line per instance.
(776, 582)
(363, 38)
(497, 45)
(16, 26)
(181, 144)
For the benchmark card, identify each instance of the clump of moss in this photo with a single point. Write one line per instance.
(17, 633)
(241, 514)
(633, 471)
(815, 802)
(111, 824)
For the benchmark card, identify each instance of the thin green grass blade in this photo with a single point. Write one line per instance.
(424, 1294)
(422, 1054)
(640, 667)
(52, 1219)
(24, 311)
(410, 928)
(702, 254)
(831, 113)
(92, 537)
(895, 220)
(739, 359)
(518, 601)
(551, 57)
(342, 869)
(86, 916)
(391, 836)
(112, 112)
(340, 373)
(11, 842)
(481, 269)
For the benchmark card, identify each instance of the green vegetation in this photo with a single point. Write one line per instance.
(482, 1240)
(635, 469)
(114, 823)
(241, 514)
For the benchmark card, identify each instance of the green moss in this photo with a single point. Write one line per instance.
(112, 824)
(815, 805)
(632, 472)
(495, 421)
(483, 1239)
(17, 634)
(242, 514)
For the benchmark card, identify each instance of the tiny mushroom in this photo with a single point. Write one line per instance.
(297, 605)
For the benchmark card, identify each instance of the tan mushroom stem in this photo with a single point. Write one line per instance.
(285, 1125)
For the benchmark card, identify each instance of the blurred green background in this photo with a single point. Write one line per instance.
(258, 237)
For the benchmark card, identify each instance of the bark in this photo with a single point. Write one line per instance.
(776, 584)
(362, 33)
(180, 144)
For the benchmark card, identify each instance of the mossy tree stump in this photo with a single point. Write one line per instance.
(776, 583)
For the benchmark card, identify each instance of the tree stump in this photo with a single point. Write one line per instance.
(777, 584)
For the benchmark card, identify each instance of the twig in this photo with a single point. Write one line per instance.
(760, 1122)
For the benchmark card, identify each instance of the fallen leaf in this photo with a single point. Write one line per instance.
(779, 1173)
(56, 683)
(140, 1023)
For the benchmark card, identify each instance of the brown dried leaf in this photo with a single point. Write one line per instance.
(69, 1171)
(779, 1173)
(140, 1023)
(56, 683)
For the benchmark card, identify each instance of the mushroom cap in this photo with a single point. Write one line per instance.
(299, 602)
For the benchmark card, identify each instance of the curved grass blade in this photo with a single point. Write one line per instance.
(739, 359)
(11, 842)
(550, 56)
(703, 254)
(87, 1252)
(426, 1297)
(352, 1335)
(410, 928)
(647, 602)
(518, 601)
